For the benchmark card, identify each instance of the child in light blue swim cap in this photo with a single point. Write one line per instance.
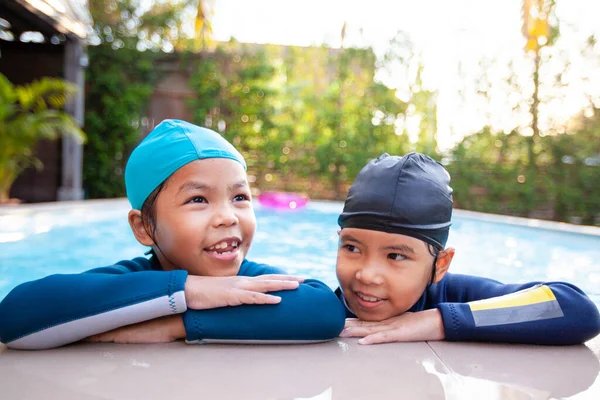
(190, 200)
(191, 204)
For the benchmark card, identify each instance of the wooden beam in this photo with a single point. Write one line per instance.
(22, 19)
(72, 151)
(60, 21)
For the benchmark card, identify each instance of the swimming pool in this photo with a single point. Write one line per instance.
(73, 237)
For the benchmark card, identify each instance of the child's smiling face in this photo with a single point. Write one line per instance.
(204, 218)
(382, 275)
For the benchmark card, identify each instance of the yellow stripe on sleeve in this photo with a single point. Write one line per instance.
(533, 295)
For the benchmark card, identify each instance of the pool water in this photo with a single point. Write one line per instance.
(93, 234)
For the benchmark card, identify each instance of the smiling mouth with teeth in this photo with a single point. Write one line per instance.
(225, 247)
(370, 299)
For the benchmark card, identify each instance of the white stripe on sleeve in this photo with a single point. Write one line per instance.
(74, 331)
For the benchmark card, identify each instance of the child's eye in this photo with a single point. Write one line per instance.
(351, 248)
(197, 199)
(396, 256)
(241, 197)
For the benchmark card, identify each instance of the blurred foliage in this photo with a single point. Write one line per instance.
(126, 39)
(550, 173)
(119, 84)
(402, 67)
(540, 27)
(298, 113)
(29, 113)
(489, 173)
(307, 119)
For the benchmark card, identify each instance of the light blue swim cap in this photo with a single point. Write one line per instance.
(170, 146)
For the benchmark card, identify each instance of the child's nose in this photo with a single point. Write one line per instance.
(225, 216)
(370, 274)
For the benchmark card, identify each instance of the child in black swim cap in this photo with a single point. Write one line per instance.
(393, 263)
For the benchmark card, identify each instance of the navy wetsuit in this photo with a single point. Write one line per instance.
(61, 309)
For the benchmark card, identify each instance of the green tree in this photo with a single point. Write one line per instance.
(355, 118)
(539, 32)
(28, 114)
(574, 166)
(541, 164)
(128, 37)
(489, 173)
(234, 96)
(119, 84)
(402, 68)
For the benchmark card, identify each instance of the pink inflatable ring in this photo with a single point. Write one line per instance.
(282, 200)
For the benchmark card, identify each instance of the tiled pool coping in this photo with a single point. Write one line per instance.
(340, 369)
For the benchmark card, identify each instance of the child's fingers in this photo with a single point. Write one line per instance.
(249, 297)
(266, 285)
(362, 331)
(392, 335)
(279, 277)
(354, 322)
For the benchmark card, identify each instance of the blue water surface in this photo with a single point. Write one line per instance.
(38, 243)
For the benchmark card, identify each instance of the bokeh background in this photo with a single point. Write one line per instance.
(504, 93)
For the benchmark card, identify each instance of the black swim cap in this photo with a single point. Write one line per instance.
(408, 195)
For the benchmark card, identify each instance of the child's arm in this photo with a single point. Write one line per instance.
(65, 308)
(312, 312)
(552, 313)
(469, 308)
(61, 309)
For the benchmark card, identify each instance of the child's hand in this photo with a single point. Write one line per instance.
(408, 327)
(159, 330)
(203, 292)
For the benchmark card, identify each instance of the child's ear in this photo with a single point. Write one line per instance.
(139, 231)
(444, 259)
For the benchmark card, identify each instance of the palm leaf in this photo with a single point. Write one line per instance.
(30, 113)
(44, 94)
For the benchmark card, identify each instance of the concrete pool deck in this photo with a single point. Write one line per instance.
(340, 369)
